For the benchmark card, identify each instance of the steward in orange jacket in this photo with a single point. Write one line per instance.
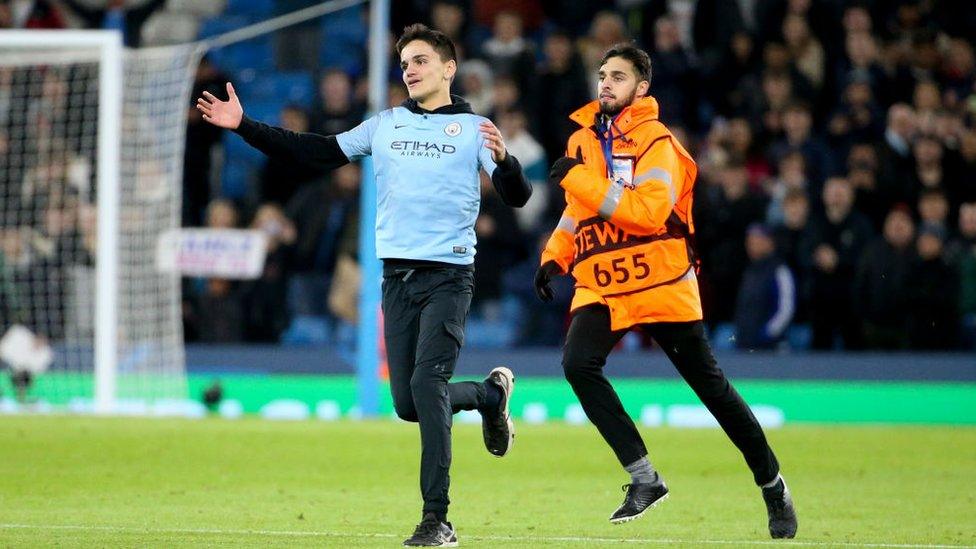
(624, 236)
(625, 230)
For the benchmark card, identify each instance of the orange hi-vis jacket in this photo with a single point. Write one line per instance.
(624, 232)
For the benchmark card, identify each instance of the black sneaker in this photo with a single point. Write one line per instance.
(779, 505)
(497, 426)
(431, 532)
(639, 498)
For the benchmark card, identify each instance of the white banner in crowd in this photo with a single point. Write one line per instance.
(217, 253)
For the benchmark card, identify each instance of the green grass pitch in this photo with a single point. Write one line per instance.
(123, 482)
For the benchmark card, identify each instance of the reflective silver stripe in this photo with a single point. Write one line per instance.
(611, 200)
(567, 224)
(659, 174)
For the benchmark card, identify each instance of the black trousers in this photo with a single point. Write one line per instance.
(590, 341)
(424, 311)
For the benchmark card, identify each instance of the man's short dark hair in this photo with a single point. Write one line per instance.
(437, 40)
(637, 57)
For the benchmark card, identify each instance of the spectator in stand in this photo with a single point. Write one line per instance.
(858, 117)
(767, 295)
(511, 55)
(965, 241)
(265, 299)
(833, 245)
(201, 138)
(564, 85)
(505, 96)
(932, 170)
(867, 198)
(734, 80)
(501, 244)
(608, 28)
(777, 58)
(789, 232)
(320, 211)
(673, 76)
(805, 50)
(766, 109)
(895, 154)
(791, 177)
(927, 101)
(534, 165)
(966, 262)
(862, 63)
(933, 208)
(336, 111)
(715, 25)
(933, 294)
(31, 14)
(538, 326)
(449, 17)
(958, 72)
(722, 213)
(127, 17)
(530, 12)
(476, 82)
(281, 178)
(740, 141)
(218, 307)
(799, 136)
(882, 283)
(789, 237)
(966, 189)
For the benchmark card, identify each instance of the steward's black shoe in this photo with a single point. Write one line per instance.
(639, 498)
(496, 424)
(431, 532)
(779, 505)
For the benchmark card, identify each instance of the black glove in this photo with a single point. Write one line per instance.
(542, 277)
(562, 166)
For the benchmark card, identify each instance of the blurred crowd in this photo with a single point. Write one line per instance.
(836, 141)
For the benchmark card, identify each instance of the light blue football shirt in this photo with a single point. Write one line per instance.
(428, 189)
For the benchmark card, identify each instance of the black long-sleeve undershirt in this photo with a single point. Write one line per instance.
(316, 151)
(323, 152)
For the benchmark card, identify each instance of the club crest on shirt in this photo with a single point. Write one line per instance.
(453, 129)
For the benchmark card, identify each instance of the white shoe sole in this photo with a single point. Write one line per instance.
(641, 514)
(510, 377)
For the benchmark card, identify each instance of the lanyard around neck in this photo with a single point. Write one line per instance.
(606, 142)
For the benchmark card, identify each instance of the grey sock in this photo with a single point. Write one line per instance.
(773, 482)
(642, 472)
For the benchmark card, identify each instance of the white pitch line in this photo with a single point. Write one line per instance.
(565, 539)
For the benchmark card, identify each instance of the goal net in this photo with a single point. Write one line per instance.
(91, 154)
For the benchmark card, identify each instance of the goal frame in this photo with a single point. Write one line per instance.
(108, 44)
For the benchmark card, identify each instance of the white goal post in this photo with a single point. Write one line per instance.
(94, 143)
(92, 139)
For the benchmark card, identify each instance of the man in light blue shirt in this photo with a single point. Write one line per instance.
(428, 154)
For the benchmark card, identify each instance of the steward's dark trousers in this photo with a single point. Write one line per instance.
(590, 340)
(424, 310)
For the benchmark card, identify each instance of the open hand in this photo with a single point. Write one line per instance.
(494, 141)
(225, 114)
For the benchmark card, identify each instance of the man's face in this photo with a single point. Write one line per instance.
(619, 86)
(838, 194)
(795, 212)
(967, 220)
(899, 229)
(424, 73)
(934, 208)
(759, 246)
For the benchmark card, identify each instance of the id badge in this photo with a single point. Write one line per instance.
(622, 171)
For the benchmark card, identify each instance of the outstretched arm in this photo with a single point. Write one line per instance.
(312, 149)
